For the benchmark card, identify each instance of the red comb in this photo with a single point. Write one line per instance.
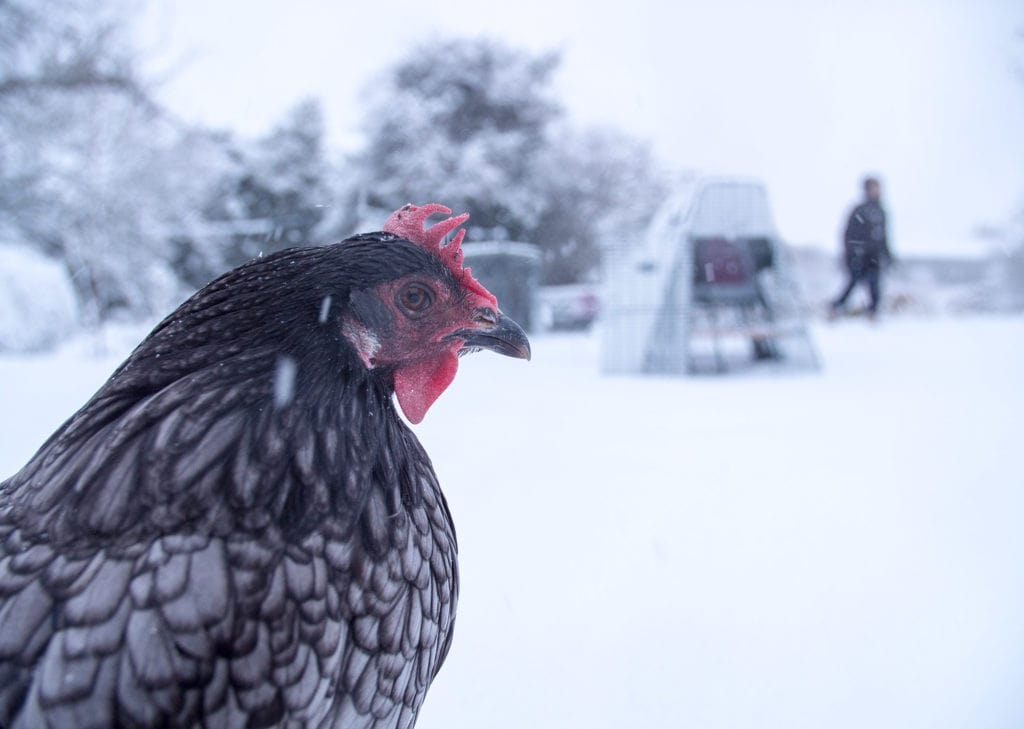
(407, 222)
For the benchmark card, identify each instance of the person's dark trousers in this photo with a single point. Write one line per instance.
(872, 277)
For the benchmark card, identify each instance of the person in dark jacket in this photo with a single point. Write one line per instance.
(866, 247)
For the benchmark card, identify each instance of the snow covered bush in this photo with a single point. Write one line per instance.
(37, 301)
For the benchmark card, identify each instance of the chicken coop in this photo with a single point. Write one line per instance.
(708, 287)
(510, 271)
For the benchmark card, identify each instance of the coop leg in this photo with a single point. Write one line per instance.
(715, 339)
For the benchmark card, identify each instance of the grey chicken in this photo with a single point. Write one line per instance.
(238, 529)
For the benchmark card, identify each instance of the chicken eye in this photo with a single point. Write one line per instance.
(415, 298)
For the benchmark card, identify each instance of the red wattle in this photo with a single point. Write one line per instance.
(418, 384)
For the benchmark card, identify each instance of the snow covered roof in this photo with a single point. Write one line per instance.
(732, 206)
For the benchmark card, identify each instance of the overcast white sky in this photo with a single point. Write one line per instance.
(805, 95)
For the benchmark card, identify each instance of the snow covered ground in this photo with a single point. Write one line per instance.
(843, 549)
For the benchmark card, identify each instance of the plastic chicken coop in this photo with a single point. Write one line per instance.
(708, 287)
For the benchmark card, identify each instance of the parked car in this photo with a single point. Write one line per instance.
(569, 307)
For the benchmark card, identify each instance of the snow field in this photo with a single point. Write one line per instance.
(838, 550)
(841, 549)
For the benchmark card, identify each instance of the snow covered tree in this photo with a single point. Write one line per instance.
(105, 187)
(92, 172)
(64, 45)
(77, 145)
(476, 124)
(599, 185)
(275, 193)
(462, 121)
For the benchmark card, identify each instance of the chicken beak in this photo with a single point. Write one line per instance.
(504, 337)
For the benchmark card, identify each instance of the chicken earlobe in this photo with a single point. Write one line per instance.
(418, 384)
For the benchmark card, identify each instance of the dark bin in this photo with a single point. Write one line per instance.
(510, 271)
